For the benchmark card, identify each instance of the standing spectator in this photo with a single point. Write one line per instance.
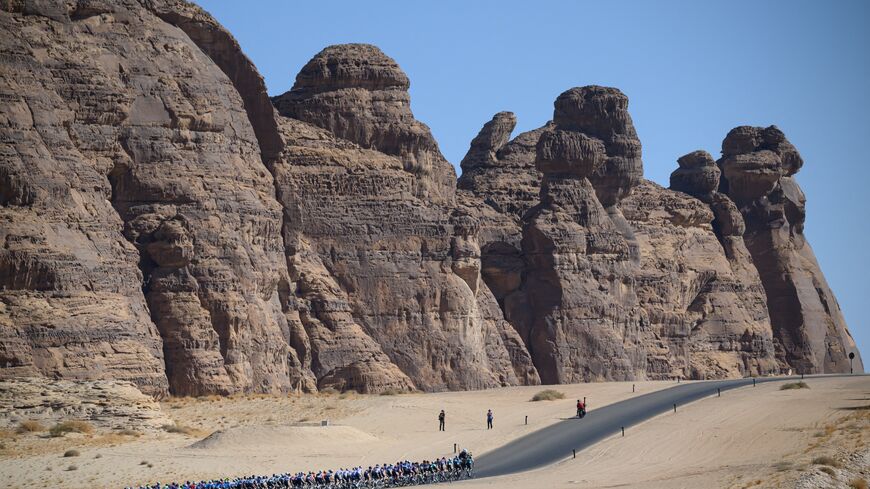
(489, 419)
(441, 421)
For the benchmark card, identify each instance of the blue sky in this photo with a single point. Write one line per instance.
(692, 71)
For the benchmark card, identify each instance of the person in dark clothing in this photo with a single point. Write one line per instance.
(489, 419)
(441, 421)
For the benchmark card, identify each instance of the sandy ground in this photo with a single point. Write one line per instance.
(743, 437)
(264, 435)
(750, 437)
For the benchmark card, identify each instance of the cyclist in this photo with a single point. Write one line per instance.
(581, 409)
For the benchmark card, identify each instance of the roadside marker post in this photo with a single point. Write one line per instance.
(623, 431)
(718, 392)
(454, 448)
(675, 408)
(527, 420)
(753, 381)
(632, 387)
(575, 452)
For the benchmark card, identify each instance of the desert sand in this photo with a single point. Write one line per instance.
(760, 436)
(750, 437)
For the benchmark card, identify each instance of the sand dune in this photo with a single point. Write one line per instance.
(252, 437)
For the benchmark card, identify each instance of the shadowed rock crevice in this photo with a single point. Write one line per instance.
(501, 183)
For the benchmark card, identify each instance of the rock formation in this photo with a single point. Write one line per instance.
(700, 312)
(164, 222)
(136, 205)
(582, 326)
(389, 267)
(105, 404)
(733, 308)
(361, 95)
(758, 167)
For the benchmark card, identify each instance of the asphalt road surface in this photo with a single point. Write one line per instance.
(556, 442)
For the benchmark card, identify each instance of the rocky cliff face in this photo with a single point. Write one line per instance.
(581, 328)
(388, 266)
(650, 271)
(164, 222)
(758, 166)
(142, 236)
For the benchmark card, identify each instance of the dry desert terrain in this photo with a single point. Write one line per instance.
(750, 437)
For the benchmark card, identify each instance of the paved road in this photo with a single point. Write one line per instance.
(555, 442)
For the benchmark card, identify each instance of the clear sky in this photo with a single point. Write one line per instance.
(692, 71)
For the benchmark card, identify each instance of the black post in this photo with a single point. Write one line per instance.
(753, 381)
(719, 392)
(623, 431)
(527, 420)
(632, 387)
(802, 376)
(675, 408)
(454, 448)
(575, 453)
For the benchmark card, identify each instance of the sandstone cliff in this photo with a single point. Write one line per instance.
(758, 167)
(141, 227)
(163, 221)
(388, 265)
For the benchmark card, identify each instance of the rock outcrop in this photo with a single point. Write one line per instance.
(697, 312)
(758, 167)
(733, 307)
(387, 265)
(361, 95)
(163, 221)
(140, 222)
(106, 404)
(500, 183)
(581, 328)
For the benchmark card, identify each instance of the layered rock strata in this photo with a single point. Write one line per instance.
(361, 95)
(105, 404)
(733, 309)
